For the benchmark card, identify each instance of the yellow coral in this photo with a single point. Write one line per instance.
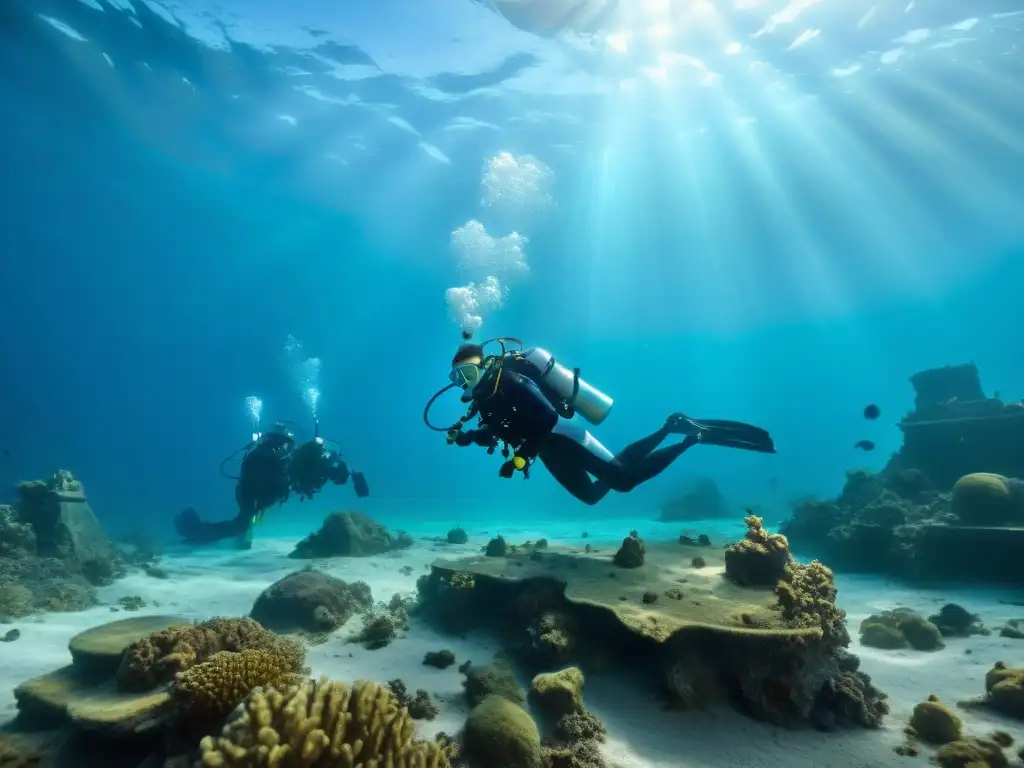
(215, 687)
(321, 724)
(982, 498)
(158, 658)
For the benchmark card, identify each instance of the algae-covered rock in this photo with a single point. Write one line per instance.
(760, 559)
(349, 534)
(956, 621)
(935, 723)
(457, 536)
(631, 552)
(700, 500)
(971, 753)
(898, 628)
(500, 733)
(493, 679)
(558, 693)
(1005, 688)
(496, 547)
(311, 601)
(1014, 628)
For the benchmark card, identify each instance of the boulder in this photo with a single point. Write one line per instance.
(349, 534)
(310, 601)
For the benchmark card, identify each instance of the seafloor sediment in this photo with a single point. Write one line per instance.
(644, 727)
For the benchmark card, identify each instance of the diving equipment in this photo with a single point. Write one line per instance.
(724, 433)
(362, 488)
(466, 375)
(590, 403)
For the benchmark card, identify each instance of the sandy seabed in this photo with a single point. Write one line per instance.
(222, 582)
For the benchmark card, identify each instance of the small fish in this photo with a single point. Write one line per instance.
(872, 412)
(865, 445)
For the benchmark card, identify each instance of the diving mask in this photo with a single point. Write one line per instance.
(466, 375)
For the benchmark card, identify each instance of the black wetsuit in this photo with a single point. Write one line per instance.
(513, 409)
(272, 470)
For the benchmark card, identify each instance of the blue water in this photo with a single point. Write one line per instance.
(774, 213)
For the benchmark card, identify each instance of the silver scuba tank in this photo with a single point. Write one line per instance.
(590, 403)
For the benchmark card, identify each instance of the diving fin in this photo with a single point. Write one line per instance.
(362, 488)
(733, 434)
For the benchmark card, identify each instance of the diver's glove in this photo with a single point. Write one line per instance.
(460, 438)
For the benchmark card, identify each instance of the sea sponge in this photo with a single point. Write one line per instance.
(161, 656)
(554, 636)
(807, 598)
(214, 688)
(760, 559)
(500, 733)
(982, 498)
(320, 725)
(935, 723)
(558, 693)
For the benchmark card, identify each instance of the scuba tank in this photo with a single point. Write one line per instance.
(590, 403)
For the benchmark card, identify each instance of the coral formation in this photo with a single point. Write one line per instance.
(781, 652)
(760, 559)
(558, 693)
(971, 753)
(321, 724)
(631, 552)
(954, 620)
(159, 657)
(311, 601)
(349, 534)
(441, 659)
(380, 627)
(554, 637)
(496, 547)
(1004, 687)
(983, 498)
(1013, 628)
(457, 536)
(946, 495)
(501, 733)
(493, 679)
(935, 723)
(898, 628)
(213, 688)
(420, 706)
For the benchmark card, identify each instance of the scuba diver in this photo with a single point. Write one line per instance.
(526, 400)
(273, 467)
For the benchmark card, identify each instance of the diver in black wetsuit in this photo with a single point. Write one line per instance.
(525, 399)
(273, 468)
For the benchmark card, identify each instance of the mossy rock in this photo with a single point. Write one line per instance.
(708, 600)
(71, 694)
(500, 733)
(100, 649)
